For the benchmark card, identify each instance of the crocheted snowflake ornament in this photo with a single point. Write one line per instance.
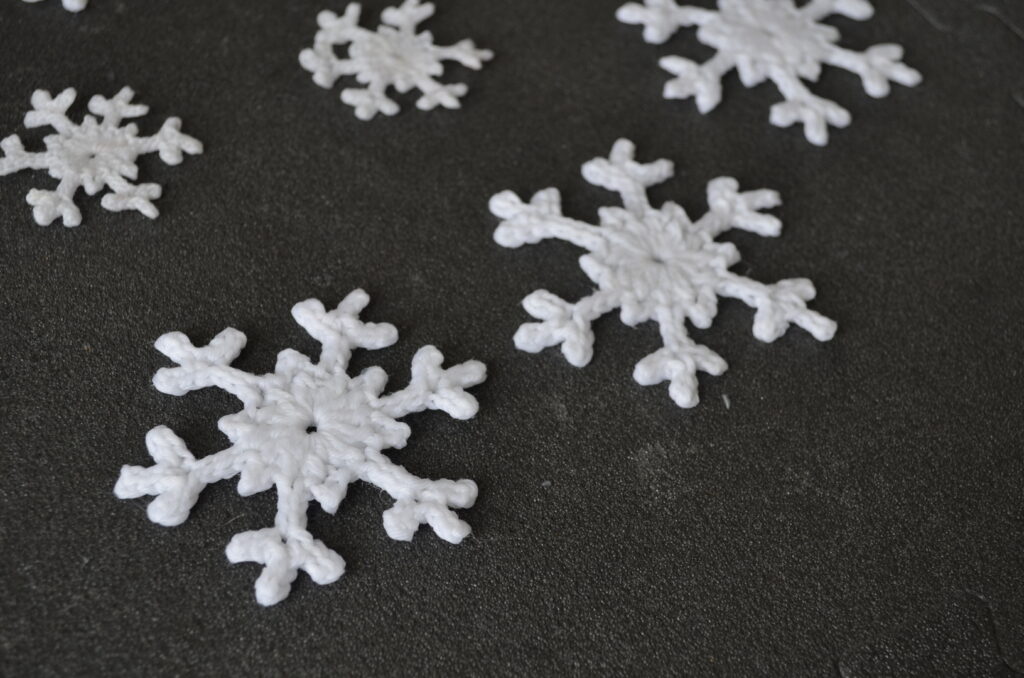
(93, 155)
(308, 430)
(654, 264)
(770, 40)
(394, 55)
(70, 5)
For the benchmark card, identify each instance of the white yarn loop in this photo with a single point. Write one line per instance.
(654, 264)
(308, 430)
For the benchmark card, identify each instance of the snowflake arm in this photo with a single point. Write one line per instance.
(70, 5)
(176, 479)
(563, 323)
(308, 430)
(97, 153)
(771, 40)
(341, 330)
(202, 367)
(778, 306)
(678, 361)
(394, 55)
(434, 388)
(655, 265)
(621, 173)
(541, 218)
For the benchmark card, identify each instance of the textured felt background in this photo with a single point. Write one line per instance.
(857, 512)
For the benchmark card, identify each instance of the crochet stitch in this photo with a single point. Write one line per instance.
(771, 40)
(392, 56)
(308, 430)
(70, 5)
(93, 155)
(654, 264)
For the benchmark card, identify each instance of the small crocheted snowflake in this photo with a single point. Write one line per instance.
(392, 56)
(70, 5)
(93, 155)
(308, 430)
(654, 264)
(770, 40)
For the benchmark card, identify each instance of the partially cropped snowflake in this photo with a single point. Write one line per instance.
(771, 40)
(394, 55)
(93, 155)
(70, 5)
(654, 264)
(308, 430)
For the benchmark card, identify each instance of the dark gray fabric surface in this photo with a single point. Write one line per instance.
(856, 512)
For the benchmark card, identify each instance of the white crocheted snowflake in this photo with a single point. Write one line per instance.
(394, 55)
(93, 154)
(308, 430)
(70, 5)
(654, 264)
(770, 40)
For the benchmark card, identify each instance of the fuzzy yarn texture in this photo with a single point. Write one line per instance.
(654, 264)
(97, 153)
(771, 40)
(70, 5)
(394, 55)
(308, 430)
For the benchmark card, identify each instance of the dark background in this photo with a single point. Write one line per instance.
(856, 512)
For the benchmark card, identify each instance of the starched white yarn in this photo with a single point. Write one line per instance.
(771, 40)
(92, 155)
(654, 264)
(394, 55)
(308, 430)
(70, 5)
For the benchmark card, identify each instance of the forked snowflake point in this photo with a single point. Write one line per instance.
(97, 153)
(70, 5)
(394, 55)
(771, 40)
(308, 430)
(654, 264)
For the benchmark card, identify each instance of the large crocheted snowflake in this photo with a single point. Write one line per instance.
(308, 430)
(654, 264)
(70, 5)
(394, 55)
(93, 154)
(773, 40)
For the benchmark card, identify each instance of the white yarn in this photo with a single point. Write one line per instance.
(771, 40)
(70, 5)
(654, 264)
(393, 55)
(308, 430)
(93, 155)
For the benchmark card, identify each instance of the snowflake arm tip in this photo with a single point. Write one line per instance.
(339, 331)
(202, 367)
(660, 18)
(176, 479)
(435, 388)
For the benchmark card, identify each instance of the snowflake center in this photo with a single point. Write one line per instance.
(398, 53)
(778, 34)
